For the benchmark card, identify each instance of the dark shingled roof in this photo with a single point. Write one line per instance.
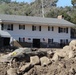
(34, 20)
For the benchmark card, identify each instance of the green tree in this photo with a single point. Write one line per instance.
(6, 1)
(73, 2)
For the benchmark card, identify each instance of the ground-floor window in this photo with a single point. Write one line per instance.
(24, 39)
(64, 41)
(50, 40)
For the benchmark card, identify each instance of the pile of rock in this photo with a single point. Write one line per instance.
(42, 58)
(67, 52)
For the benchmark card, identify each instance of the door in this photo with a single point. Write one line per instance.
(6, 41)
(36, 43)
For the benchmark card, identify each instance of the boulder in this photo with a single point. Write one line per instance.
(18, 53)
(55, 57)
(72, 44)
(26, 67)
(45, 61)
(34, 60)
(66, 48)
(50, 54)
(12, 71)
(71, 54)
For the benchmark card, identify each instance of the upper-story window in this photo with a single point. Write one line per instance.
(22, 27)
(62, 30)
(50, 28)
(36, 28)
(6, 26)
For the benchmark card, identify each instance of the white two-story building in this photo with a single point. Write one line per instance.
(33, 31)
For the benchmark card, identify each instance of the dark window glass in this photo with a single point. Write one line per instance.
(33, 28)
(2, 26)
(59, 29)
(24, 27)
(66, 30)
(39, 28)
(50, 40)
(48, 28)
(11, 26)
(52, 28)
(67, 41)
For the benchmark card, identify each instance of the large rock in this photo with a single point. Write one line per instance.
(18, 53)
(66, 48)
(34, 60)
(72, 44)
(12, 71)
(55, 57)
(71, 54)
(45, 61)
(26, 67)
(50, 54)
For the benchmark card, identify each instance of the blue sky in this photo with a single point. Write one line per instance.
(62, 3)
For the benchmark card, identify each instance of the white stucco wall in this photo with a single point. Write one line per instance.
(44, 33)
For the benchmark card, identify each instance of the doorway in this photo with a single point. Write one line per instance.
(6, 41)
(36, 43)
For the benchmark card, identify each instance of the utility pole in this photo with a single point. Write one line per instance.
(42, 8)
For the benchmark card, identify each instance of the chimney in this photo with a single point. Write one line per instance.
(60, 17)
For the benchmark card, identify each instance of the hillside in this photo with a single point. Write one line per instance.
(35, 9)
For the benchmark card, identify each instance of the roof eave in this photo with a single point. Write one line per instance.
(36, 23)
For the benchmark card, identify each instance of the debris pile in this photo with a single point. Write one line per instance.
(26, 61)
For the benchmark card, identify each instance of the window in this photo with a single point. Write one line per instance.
(33, 28)
(50, 40)
(7, 26)
(21, 39)
(61, 30)
(36, 28)
(64, 41)
(10, 27)
(39, 28)
(2, 26)
(22, 27)
(50, 28)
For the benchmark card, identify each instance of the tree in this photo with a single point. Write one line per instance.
(73, 2)
(6, 1)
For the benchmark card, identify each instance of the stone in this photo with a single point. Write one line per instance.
(72, 44)
(45, 61)
(26, 67)
(50, 54)
(71, 54)
(12, 71)
(55, 57)
(34, 60)
(66, 48)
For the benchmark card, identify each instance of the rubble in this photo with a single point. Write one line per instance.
(34, 60)
(44, 61)
(27, 61)
(12, 71)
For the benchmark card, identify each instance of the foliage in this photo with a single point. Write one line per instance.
(35, 9)
(73, 2)
(6, 1)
